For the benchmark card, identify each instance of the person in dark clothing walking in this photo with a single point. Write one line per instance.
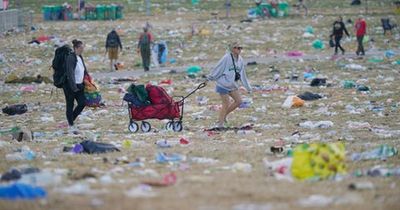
(145, 40)
(113, 43)
(337, 34)
(73, 87)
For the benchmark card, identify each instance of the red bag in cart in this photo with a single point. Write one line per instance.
(158, 95)
(156, 111)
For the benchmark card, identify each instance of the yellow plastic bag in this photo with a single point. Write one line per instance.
(205, 32)
(318, 160)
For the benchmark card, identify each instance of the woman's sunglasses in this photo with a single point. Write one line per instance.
(239, 48)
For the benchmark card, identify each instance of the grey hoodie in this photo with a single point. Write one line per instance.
(224, 73)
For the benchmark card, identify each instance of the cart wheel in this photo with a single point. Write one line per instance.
(145, 126)
(177, 126)
(169, 126)
(133, 127)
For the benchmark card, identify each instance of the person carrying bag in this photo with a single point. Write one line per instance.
(92, 92)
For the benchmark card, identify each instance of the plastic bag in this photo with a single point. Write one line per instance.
(22, 191)
(15, 109)
(331, 43)
(365, 39)
(318, 44)
(97, 147)
(318, 160)
(293, 101)
(193, 70)
(90, 85)
(309, 29)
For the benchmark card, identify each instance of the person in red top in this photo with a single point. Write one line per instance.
(361, 30)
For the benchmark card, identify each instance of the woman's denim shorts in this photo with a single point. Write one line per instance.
(221, 90)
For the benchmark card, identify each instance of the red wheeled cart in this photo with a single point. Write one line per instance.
(172, 111)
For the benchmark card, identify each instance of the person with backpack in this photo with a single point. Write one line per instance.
(227, 73)
(113, 43)
(361, 29)
(337, 34)
(75, 70)
(300, 5)
(143, 47)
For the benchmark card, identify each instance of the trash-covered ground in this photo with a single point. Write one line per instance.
(351, 111)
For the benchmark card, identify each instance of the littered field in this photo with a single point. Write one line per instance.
(229, 169)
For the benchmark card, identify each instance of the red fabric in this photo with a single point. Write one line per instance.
(150, 36)
(158, 95)
(166, 82)
(43, 38)
(361, 27)
(169, 179)
(156, 111)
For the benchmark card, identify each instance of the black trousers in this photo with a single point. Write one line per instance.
(360, 48)
(70, 97)
(337, 44)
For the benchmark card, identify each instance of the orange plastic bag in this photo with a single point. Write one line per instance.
(297, 102)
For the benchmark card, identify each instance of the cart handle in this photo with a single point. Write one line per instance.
(201, 85)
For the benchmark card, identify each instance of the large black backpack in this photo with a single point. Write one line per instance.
(59, 65)
(112, 40)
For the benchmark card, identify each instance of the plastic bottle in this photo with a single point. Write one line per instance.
(25, 154)
(29, 155)
(377, 109)
(382, 152)
(44, 178)
(163, 157)
(276, 77)
(14, 157)
(163, 143)
(245, 132)
(38, 135)
(201, 100)
(361, 186)
(136, 164)
(12, 130)
(246, 103)
(242, 167)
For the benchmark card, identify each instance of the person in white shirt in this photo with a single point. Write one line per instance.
(74, 87)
